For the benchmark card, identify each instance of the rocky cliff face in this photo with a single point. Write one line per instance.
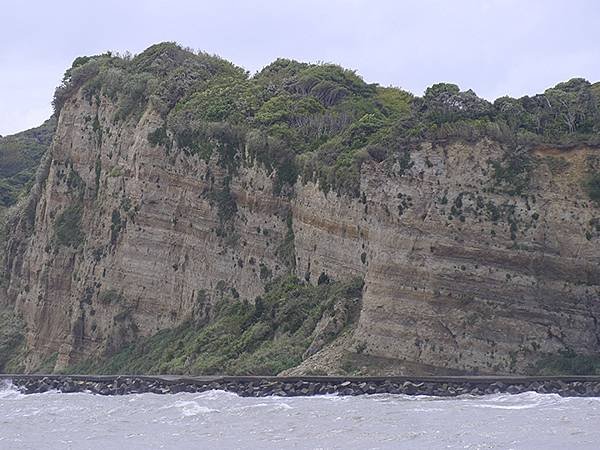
(142, 251)
(123, 238)
(458, 275)
(175, 182)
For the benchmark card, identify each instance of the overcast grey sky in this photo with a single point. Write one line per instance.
(495, 47)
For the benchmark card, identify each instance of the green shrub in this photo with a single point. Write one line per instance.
(226, 208)
(160, 137)
(286, 250)
(116, 226)
(265, 272)
(323, 279)
(593, 185)
(111, 296)
(263, 338)
(67, 226)
(115, 172)
(11, 339)
(20, 155)
(513, 172)
(82, 70)
(566, 362)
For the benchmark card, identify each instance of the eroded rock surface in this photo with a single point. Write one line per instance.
(124, 238)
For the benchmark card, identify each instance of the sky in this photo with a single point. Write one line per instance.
(495, 47)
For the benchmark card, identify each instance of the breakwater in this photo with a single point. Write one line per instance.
(576, 386)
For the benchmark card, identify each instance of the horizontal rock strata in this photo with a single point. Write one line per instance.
(460, 275)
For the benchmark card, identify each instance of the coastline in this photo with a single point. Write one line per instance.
(262, 386)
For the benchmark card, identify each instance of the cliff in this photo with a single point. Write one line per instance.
(478, 253)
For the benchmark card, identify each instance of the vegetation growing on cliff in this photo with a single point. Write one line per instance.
(593, 185)
(11, 341)
(20, 155)
(242, 338)
(567, 363)
(320, 121)
(67, 227)
(299, 121)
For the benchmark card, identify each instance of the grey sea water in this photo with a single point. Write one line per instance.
(218, 419)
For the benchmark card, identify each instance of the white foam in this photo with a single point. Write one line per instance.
(194, 409)
(8, 390)
(217, 419)
(216, 395)
(190, 408)
(283, 406)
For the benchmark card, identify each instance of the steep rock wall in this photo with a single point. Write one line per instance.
(460, 275)
(149, 256)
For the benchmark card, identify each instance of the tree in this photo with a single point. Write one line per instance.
(445, 102)
(572, 106)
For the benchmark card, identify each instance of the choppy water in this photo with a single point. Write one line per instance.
(219, 419)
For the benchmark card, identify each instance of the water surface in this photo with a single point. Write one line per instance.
(218, 419)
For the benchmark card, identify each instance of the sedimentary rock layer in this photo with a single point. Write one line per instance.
(460, 274)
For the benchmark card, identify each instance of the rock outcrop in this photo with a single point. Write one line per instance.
(123, 238)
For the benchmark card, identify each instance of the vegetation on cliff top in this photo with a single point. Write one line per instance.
(263, 338)
(317, 120)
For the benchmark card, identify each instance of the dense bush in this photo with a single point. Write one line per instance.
(512, 173)
(263, 338)
(20, 155)
(319, 121)
(566, 363)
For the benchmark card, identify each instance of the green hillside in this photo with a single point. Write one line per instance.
(20, 155)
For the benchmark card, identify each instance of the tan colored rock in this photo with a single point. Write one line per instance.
(445, 290)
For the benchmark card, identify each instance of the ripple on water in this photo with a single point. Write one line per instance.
(222, 419)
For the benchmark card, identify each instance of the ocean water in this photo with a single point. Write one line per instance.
(218, 419)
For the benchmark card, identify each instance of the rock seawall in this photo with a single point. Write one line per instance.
(307, 386)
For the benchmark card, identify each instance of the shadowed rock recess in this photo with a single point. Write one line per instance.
(188, 218)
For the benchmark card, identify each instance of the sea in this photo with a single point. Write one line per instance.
(218, 419)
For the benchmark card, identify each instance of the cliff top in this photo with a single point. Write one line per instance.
(320, 120)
